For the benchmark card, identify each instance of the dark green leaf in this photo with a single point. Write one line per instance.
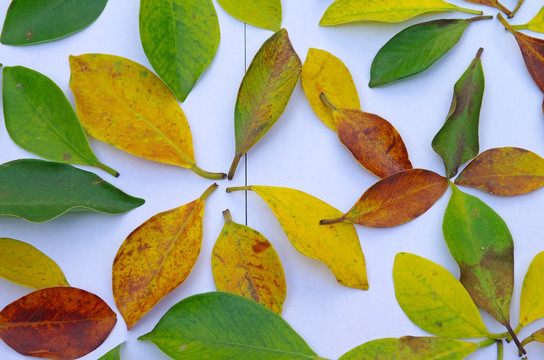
(457, 141)
(31, 21)
(38, 191)
(482, 246)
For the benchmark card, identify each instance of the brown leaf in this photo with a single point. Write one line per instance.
(56, 323)
(396, 199)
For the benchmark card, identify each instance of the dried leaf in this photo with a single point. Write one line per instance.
(38, 191)
(264, 92)
(532, 292)
(31, 22)
(245, 263)
(457, 141)
(113, 354)
(434, 300)
(410, 347)
(504, 171)
(25, 265)
(39, 118)
(416, 48)
(156, 258)
(396, 199)
(481, 244)
(345, 11)
(56, 323)
(265, 14)
(336, 245)
(180, 38)
(223, 326)
(132, 109)
(535, 24)
(324, 73)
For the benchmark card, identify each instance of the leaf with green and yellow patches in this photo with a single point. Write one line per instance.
(265, 14)
(156, 258)
(535, 24)
(482, 246)
(25, 265)
(336, 245)
(531, 305)
(434, 300)
(505, 171)
(410, 347)
(245, 263)
(324, 73)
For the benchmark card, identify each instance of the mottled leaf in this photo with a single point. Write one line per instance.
(345, 11)
(416, 48)
(482, 246)
(39, 118)
(124, 104)
(113, 354)
(457, 141)
(30, 21)
(25, 265)
(156, 258)
(223, 326)
(434, 300)
(535, 24)
(396, 199)
(180, 38)
(410, 347)
(336, 245)
(324, 73)
(264, 92)
(56, 323)
(38, 191)
(532, 292)
(245, 263)
(504, 171)
(265, 14)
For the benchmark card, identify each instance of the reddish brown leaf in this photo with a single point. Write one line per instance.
(56, 323)
(396, 199)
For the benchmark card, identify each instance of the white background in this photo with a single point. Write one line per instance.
(298, 152)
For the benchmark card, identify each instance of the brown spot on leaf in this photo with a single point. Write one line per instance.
(66, 156)
(260, 246)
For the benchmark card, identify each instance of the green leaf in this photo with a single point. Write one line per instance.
(38, 191)
(264, 93)
(25, 265)
(265, 14)
(482, 246)
(40, 119)
(223, 326)
(410, 347)
(532, 292)
(457, 141)
(31, 22)
(113, 354)
(180, 38)
(416, 48)
(434, 300)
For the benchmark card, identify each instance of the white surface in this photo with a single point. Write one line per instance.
(299, 152)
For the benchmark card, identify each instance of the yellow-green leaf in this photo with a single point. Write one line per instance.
(25, 265)
(156, 258)
(336, 245)
(535, 24)
(346, 11)
(434, 299)
(265, 14)
(324, 73)
(532, 292)
(245, 263)
(124, 104)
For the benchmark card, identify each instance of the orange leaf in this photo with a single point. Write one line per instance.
(504, 171)
(156, 258)
(396, 199)
(56, 323)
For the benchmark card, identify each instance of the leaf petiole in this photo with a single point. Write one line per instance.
(238, 188)
(107, 169)
(511, 15)
(207, 174)
(478, 18)
(516, 340)
(500, 350)
(470, 11)
(506, 24)
(327, 102)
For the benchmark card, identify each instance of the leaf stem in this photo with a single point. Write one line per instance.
(208, 191)
(478, 18)
(511, 15)
(107, 169)
(506, 24)
(207, 174)
(503, 8)
(479, 53)
(499, 336)
(486, 343)
(516, 340)
(331, 221)
(327, 102)
(470, 11)
(227, 216)
(238, 188)
(520, 27)
(234, 165)
(500, 350)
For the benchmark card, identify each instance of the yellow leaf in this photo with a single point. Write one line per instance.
(156, 258)
(25, 265)
(324, 73)
(535, 24)
(532, 292)
(335, 245)
(245, 263)
(124, 104)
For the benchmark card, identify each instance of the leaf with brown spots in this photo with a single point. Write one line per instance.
(504, 171)
(156, 258)
(245, 263)
(482, 246)
(396, 199)
(56, 323)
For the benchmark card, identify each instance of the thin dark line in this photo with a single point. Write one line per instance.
(245, 157)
